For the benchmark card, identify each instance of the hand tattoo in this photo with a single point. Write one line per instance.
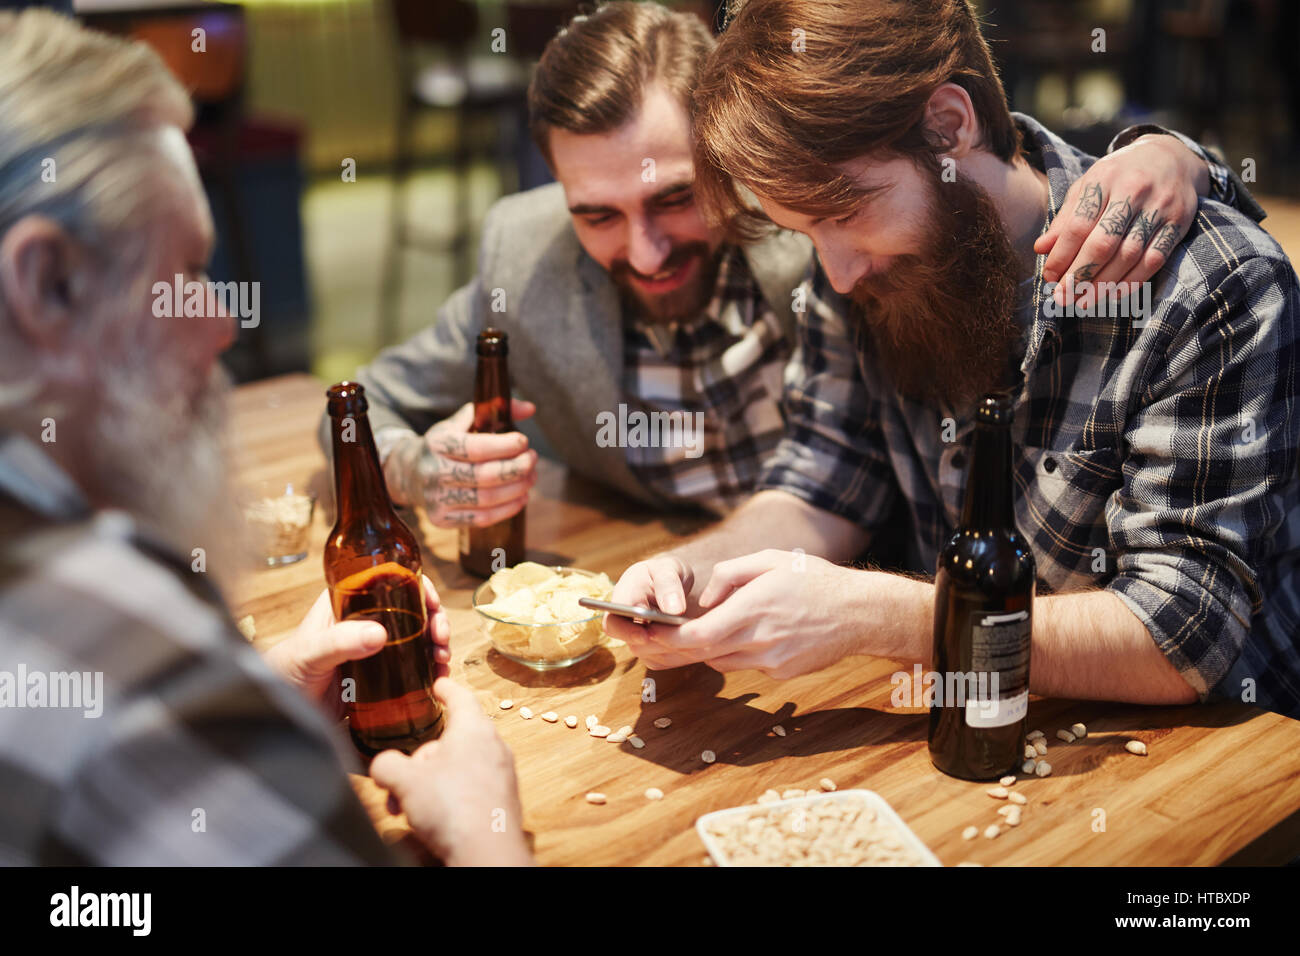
(452, 495)
(1144, 227)
(1115, 222)
(1085, 273)
(1089, 202)
(510, 470)
(449, 443)
(1166, 238)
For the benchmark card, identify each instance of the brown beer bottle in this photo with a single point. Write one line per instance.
(983, 616)
(372, 566)
(485, 550)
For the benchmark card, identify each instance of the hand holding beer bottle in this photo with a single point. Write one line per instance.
(461, 477)
(372, 567)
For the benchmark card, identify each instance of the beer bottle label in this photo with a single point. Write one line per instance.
(1000, 650)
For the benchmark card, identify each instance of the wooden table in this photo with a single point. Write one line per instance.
(1221, 782)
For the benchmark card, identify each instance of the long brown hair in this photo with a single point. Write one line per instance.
(593, 74)
(797, 86)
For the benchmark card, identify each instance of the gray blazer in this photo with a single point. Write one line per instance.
(562, 313)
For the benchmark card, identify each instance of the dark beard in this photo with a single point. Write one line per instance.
(680, 304)
(943, 324)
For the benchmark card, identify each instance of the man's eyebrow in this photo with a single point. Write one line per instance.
(586, 209)
(669, 190)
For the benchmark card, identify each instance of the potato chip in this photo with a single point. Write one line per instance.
(539, 617)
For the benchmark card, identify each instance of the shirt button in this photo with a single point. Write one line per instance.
(958, 460)
(1049, 465)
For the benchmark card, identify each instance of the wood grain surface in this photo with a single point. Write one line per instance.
(1221, 783)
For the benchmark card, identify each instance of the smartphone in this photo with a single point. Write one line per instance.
(636, 613)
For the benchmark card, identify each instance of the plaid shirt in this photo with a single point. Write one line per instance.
(1155, 459)
(725, 365)
(200, 756)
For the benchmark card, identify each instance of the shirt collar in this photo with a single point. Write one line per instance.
(32, 478)
(661, 335)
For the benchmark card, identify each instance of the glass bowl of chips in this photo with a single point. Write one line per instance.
(531, 613)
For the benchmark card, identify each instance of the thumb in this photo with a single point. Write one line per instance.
(459, 701)
(458, 421)
(392, 771)
(521, 408)
(346, 641)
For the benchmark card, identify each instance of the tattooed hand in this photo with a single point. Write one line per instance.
(462, 478)
(1121, 218)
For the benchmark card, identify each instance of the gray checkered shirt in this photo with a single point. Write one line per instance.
(200, 756)
(1155, 459)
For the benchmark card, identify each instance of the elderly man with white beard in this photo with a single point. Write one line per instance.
(111, 471)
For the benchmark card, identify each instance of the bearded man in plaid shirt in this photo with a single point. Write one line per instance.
(1155, 471)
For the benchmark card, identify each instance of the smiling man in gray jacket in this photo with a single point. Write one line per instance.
(625, 311)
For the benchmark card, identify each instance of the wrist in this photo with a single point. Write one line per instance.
(497, 849)
(900, 612)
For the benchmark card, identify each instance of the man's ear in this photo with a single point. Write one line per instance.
(950, 119)
(39, 266)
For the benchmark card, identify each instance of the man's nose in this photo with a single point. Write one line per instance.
(647, 247)
(843, 269)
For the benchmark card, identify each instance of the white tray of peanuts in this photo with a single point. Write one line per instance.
(843, 828)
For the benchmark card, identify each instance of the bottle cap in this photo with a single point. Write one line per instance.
(493, 342)
(995, 408)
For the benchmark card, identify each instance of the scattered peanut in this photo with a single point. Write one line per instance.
(992, 830)
(654, 793)
(826, 783)
(1041, 748)
(1019, 798)
(1004, 811)
(1136, 747)
(599, 731)
(779, 730)
(1013, 817)
(571, 721)
(1008, 780)
(591, 721)
(595, 797)
(1028, 766)
(708, 756)
(1079, 731)
(506, 704)
(617, 737)
(663, 723)
(636, 741)
(526, 713)
(1030, 752)
(997, 793)
(1034, 735)
(1065, 735)
(970, 833)
(1043, 768)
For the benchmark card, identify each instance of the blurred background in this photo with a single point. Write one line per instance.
(350, 148)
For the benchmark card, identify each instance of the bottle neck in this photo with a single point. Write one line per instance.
(492, 396)
(989, 482)
(358, 480)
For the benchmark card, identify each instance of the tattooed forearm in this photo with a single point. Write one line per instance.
(1166, 238)
(1144, 227)
(1090, 202)
(1118, 213)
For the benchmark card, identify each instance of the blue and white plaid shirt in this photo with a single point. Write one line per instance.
(1156, 459)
